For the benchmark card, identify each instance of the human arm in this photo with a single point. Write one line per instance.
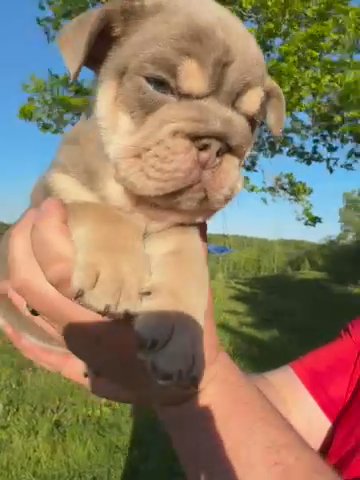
(284, 389)
(313, 390)
(232, 431)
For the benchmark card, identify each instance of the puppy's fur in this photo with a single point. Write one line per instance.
(182, 86)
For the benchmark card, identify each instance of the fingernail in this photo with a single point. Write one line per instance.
(48, 204)
(52, 207)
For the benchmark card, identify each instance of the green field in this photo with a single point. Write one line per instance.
(50, 429)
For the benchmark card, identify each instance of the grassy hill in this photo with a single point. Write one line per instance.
(267, 314)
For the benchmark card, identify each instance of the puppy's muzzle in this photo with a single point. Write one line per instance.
(190, 144)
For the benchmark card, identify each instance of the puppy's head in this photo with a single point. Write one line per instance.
(182, 87)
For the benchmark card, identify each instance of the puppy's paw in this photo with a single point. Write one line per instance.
(109, 265)
(105, 282)
(171, 343)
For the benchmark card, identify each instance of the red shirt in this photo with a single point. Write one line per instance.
(332, 376)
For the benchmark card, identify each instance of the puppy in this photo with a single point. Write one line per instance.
(182, 87)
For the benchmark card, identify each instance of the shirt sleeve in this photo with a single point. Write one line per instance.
(330, 373)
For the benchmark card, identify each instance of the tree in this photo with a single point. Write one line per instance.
(349, 216)
(312, 50)
(305, 266)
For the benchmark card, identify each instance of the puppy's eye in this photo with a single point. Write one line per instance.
(159, 85)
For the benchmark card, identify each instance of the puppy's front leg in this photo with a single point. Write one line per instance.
(170, 325)
(110, 264)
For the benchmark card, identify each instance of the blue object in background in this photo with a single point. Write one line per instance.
(219, 250)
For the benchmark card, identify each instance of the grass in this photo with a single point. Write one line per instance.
(50, 429)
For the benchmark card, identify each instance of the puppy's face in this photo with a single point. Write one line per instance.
(182, 88)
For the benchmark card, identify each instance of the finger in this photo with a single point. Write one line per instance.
(4, 287)
(23, 308)
(55, 208)
(20, 257)
(29, 281)
(75, 370)
(31, 351)
(68, 366)
(65, 364)
(52, 245)
(51, 230)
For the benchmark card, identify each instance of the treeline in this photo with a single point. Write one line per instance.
(255, 257)
(340, 261)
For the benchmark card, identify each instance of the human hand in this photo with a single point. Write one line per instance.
(107, 348)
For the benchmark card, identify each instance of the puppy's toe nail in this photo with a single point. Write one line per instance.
(127, 316)
(79, 294)
(152, 344)
(165, 378)
(145, 293)
(33, 312)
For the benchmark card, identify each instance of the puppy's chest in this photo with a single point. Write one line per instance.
(82, 173)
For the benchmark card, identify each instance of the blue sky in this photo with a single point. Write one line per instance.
(25, 152)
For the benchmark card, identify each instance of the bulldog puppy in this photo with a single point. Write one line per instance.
(182, 87)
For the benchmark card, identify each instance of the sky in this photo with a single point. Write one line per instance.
(25, 152)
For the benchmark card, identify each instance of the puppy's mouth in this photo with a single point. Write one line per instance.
(176, 198)
(181, 173)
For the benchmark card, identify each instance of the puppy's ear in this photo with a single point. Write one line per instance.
(86, 40)
(275, 107)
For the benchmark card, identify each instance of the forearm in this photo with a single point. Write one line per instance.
(233, 432)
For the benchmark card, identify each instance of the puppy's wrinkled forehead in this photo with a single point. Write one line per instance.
(198, 47)
(201, 52)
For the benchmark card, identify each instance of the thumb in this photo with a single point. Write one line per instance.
(52, 244)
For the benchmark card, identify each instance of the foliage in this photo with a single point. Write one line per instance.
(340, 257)
(312, 51)
(55, 12)
(56, 102)
(286, 186)
(340, 261)
(350, 217)
(254, 256)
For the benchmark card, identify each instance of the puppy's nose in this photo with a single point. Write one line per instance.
(210, 151)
